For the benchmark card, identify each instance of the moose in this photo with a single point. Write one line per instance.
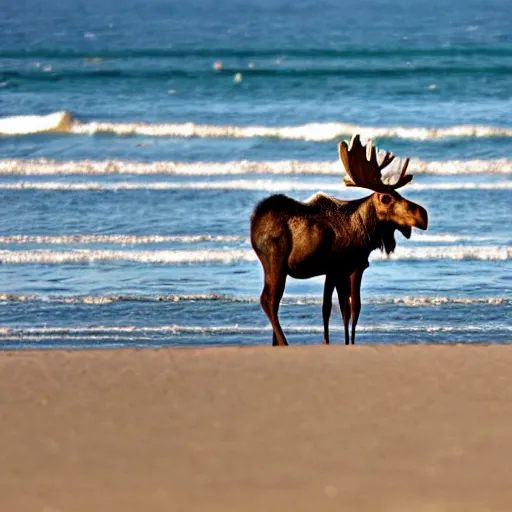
(331, 237)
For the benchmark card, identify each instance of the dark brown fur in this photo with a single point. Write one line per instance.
(326, 236)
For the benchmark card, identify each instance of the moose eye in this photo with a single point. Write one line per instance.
(385, 199)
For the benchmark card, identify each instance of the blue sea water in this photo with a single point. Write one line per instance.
(125, 213)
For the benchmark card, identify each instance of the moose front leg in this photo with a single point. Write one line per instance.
(355, 299)
(343, 289)
(327, 305)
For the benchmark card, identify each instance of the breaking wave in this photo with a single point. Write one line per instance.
(44, 167)
(109, 299)
(446, 238)
(29, 125)
(259, 185)
(64, 122)
(213, 297)
(308, 132)
(119, 239)
(102, 332)
(168, 257)
(186, 239)
(225, 256)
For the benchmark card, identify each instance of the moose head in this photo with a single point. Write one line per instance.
(364, 170)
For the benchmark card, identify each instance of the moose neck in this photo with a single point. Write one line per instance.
(367, 232)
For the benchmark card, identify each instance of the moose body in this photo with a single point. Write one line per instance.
(326, 236)
(314, 237)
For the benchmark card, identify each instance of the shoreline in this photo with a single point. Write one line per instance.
(360, 428)
(293, 345)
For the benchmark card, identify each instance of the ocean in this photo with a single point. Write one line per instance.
(137, 137)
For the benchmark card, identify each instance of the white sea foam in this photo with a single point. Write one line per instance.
(440, 301)
(45, 167)
(308, 132)
(168, 257)
(300, 300)
(254, 185)
(445, 238)
(458, 252)
(226, 256)
(106, 340)
(101, 331)
(63, 122)
(28, 125)
(99, 300)
(119, 239)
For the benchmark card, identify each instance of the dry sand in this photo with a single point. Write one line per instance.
(386, 428)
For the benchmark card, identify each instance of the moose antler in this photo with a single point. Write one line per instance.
(363, 168)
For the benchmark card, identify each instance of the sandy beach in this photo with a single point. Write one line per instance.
(364, 428)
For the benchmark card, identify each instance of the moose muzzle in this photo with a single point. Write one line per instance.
(419, 216)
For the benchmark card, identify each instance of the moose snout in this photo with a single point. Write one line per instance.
(420, 216)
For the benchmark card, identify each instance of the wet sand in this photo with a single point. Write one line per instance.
(364, 428)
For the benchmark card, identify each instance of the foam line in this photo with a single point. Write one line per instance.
(187, 239)
(253, 185)
(118, 239)
(63, 122)
(101, 330)
(309, 132)
(45, 167)
(225, 256)
(100, 300)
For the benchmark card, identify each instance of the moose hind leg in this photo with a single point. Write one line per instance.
(273, 289)
(327, 306)
(270, 299)
(355, 302)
